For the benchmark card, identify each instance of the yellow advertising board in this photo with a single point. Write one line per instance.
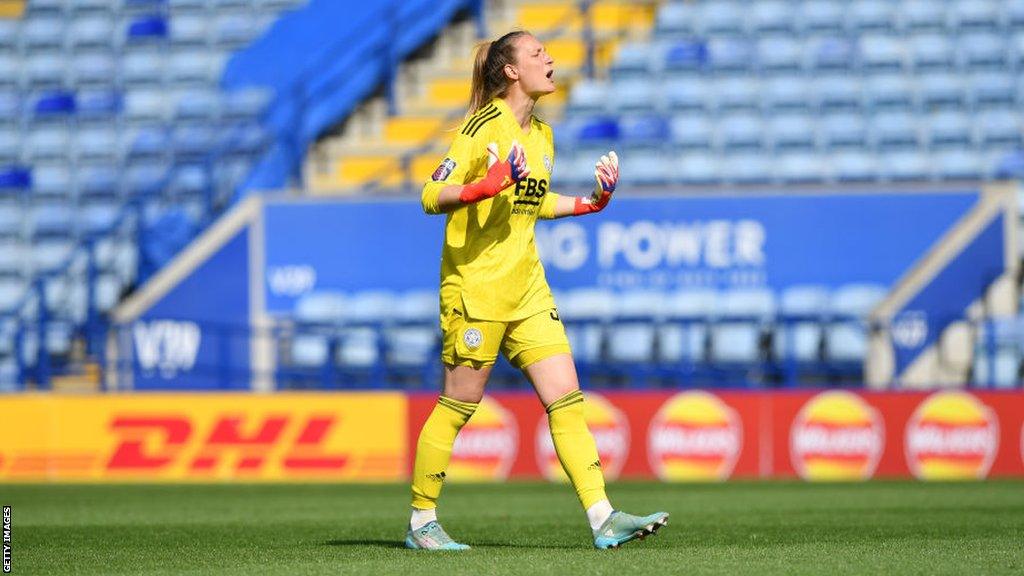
(204, 437)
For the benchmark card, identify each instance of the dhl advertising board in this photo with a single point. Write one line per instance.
(684, 436)
(204, 437)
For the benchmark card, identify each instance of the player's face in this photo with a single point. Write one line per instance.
(536, 68)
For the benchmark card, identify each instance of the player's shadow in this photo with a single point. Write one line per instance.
(365, 542)
(400, 544)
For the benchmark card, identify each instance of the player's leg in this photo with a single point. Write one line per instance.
(538, 346)
(469, 351)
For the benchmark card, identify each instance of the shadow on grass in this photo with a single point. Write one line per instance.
(392, 544)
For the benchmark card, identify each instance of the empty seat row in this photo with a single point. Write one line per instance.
(649, 168)
(815, 16)
(793, 92)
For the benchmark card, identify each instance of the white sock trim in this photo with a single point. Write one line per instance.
(422, 517)
(598, 513)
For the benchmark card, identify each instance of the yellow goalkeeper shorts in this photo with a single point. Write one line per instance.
(476, 343)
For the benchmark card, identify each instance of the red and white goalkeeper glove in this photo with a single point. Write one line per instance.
(500, 175)
(606, 173)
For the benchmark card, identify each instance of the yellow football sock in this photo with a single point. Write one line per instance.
(434, 449)
(576, 448)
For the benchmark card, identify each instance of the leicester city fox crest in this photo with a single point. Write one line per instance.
(444, 170)
(547, 163)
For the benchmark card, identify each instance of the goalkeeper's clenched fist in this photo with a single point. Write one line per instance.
(500, 175)
(606, 174)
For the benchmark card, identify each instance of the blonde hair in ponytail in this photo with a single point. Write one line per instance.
(489, 80)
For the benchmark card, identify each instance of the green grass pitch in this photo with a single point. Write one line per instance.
(518, 528)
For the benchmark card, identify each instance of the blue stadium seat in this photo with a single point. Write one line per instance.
(44, 32)
(780, 53)
(854, 166)
(145, 29)
(143, 106)
(144, 177)
(836, 92)
(949, 128)
(992, 88)
(960, 165)
(895, 130)
(94, 69)
(878, 53)
(10, 32)
(248, 103)
(49, 254)
(92, 32)
(906, 165)
(747, 168)
(190, 180)
(13, 265)
(941, 89)
(695, 168)
(97, 143)
(730, 54)
(10, 146)
(684, 56)
(831, 53)
(12, 291)
(771, 16)
(918, 15)
(192, 67)
(48, 142)
(871, 16)
(588, 96)
(9, 70)
(687, 93)
(148, 142)
(791, 131)
(676, 19)
(144, 67)
(801, 167)
(889, 91)
(975, 15)
(633, 59)
(632, 336)
(685, 337)
(45, 70)
(12, 221)
(192, 141)
(634, 95)
(846, 340)
(98, 181)
(822, 16)
(597, 131)
(645, 130)
(189, 30)
(738, 93)
(804, 308)
(232, 30)
(982, 50)
(10, 107)
(52, 219)
(98, 217)
(722, 17)
(99, 105)
(648, 168)
(692, 131)
(53, 181)
(1000, 127)
(741, 131)
(931, 51)
(198, 104)
(584, 311)
(737, 338)
(785, 92)
(106, 292)
(14, 179)
(53, 105)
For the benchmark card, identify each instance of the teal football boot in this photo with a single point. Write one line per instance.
(431, 537)
(620, 528)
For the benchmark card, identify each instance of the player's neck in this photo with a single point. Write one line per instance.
(521, 105)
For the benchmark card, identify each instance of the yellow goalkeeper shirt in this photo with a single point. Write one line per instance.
(489, 263)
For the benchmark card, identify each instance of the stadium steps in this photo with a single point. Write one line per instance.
(432, 92)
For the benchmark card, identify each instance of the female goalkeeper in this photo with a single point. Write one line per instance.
(493, 186)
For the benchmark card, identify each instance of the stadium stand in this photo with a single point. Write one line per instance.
(126, 127)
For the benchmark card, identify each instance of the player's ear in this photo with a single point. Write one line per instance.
(511, 72)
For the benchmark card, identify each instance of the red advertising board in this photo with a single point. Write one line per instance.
(697, 435)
